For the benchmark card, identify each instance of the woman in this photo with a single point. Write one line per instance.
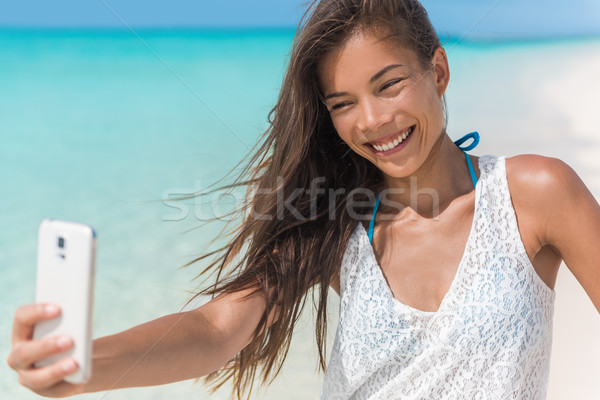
(444, 262)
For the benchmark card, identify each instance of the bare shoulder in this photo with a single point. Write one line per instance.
(564, 212)
(540, 171)
(540, 187)
(547, 181)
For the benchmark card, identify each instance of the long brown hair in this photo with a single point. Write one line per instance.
(286, 250)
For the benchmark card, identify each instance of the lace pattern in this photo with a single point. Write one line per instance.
(490, 339)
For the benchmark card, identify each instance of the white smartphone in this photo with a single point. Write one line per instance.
(65, 277)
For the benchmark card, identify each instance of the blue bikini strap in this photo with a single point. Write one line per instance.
(372, 223)
(472, 135)
(475, 137)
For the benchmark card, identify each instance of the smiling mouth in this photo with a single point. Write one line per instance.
(393, 142)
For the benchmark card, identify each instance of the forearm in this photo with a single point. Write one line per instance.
(172, 348)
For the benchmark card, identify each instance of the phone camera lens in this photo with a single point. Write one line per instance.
(61, 242)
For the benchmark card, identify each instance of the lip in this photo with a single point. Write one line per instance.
(390, 138)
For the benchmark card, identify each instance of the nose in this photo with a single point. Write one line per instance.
(373, 115)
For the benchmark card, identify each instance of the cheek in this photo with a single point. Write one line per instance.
(432, 109)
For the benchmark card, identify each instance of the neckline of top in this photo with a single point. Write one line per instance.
(459, 268)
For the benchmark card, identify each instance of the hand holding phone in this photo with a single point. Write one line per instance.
(48, 381)
(65, 277)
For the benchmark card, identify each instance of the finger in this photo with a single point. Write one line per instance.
(47, 377)
(26, 353)
(27, 316)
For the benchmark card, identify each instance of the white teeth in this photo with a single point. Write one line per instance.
(393, 144)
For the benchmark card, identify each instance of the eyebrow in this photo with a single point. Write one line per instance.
(373, 79)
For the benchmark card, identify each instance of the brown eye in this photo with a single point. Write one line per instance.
(390, 84)
(338, 106)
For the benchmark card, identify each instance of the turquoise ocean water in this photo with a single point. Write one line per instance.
(98, 126)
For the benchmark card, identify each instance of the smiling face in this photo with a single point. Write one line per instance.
(383, 103)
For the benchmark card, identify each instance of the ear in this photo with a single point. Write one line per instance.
(441, 70)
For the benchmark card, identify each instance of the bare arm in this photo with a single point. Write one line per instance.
(573, 228)
(567, 215)
(172, 348)
(177, 346)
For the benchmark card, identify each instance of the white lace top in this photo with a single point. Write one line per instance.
(490, 339)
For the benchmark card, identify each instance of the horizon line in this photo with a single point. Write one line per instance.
(446, 37)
